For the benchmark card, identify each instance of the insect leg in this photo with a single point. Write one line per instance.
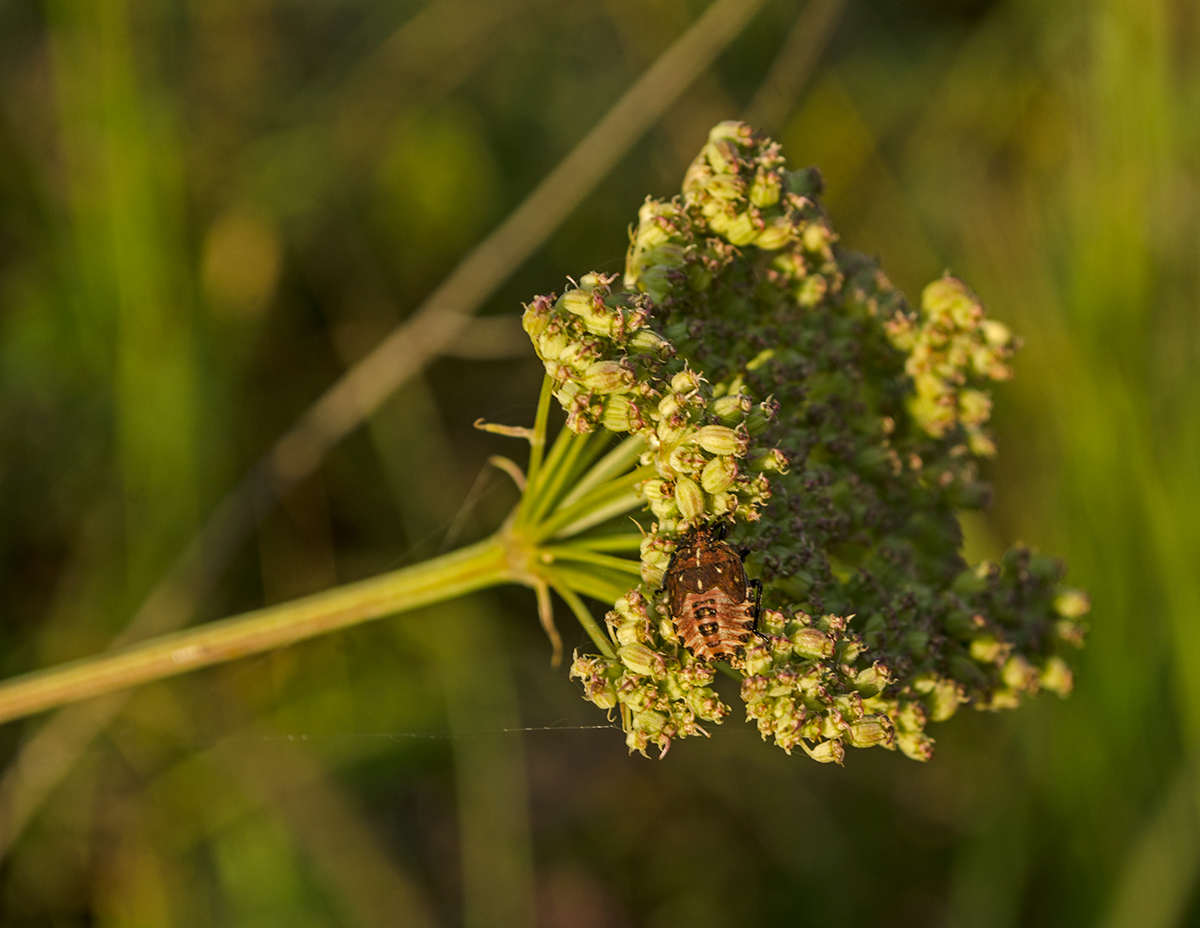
(756, 585)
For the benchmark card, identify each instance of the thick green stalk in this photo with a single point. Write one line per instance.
(473, 568)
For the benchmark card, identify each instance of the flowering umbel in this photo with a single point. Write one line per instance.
(780, 385)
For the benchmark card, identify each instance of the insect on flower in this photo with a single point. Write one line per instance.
(709, 597)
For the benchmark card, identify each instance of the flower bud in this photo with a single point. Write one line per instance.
(944, 699)
(915, 744)
(742, 230)
(771, 622)
(812, 643)
(553, 341)
(1072, 604)
(622, 414)
(757, 660)
(769, 460)
(641, 660)
(974, 407)
(648, 342)
(765, 189)
(602, 693)
(777, 234)
(870, 731)
(871, 681)
(720, 439)
(607, 376)
(731, 408)
(817, 237)
(1057, 677)
(1070, 631)
(1020, 675)
(828, 752)
(718, 474)
(685, 460)
(580, 302)
(690, 499)
(950, 299)
(848, 649)
(987, 649)
(686, 381)
(653, 490)
(996, 333)
(760, 417)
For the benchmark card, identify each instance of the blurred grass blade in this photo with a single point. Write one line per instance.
(781, 88)
(1156, 884)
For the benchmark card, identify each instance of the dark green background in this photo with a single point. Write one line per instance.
(210, 208)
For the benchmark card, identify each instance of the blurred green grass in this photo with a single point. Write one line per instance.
(210, 210)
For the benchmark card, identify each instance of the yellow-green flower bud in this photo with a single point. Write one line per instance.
(718, 474)
(669, 405)
(769, 460)
(944, 699)
(950, 299)
(764, 191)
(914, 744)
(828, 752)
(552, 343)
(741, 230)
(1057, 677)
(690, 499)
(580, 302)
(760, 417)
(607, 377)
(1070, 631)
(870, 732)
(1019, 674)
(653, 490)
(996, 333)
(812, 643)
(641, 660)
(987, 649)
(1072, 604)
(772, 622)
(721, 153)
(817, 237)
(778, 232)
(724, 503)
(649, 342)
(974, 407)
(686, 381)
(731, 408)
(871, 681)
(622, 414)
(720, 439)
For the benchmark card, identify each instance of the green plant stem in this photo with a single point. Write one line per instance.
(564, 465)
(537, 444)
(473, 568)
(613, 464)
(602, 587)
(571, 553)
(628, 542)
(592, 502)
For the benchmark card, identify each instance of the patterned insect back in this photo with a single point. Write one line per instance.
(709, 597)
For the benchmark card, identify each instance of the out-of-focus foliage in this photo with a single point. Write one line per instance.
(209, 210)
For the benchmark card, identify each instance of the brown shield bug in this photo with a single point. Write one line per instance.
(709, 597)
